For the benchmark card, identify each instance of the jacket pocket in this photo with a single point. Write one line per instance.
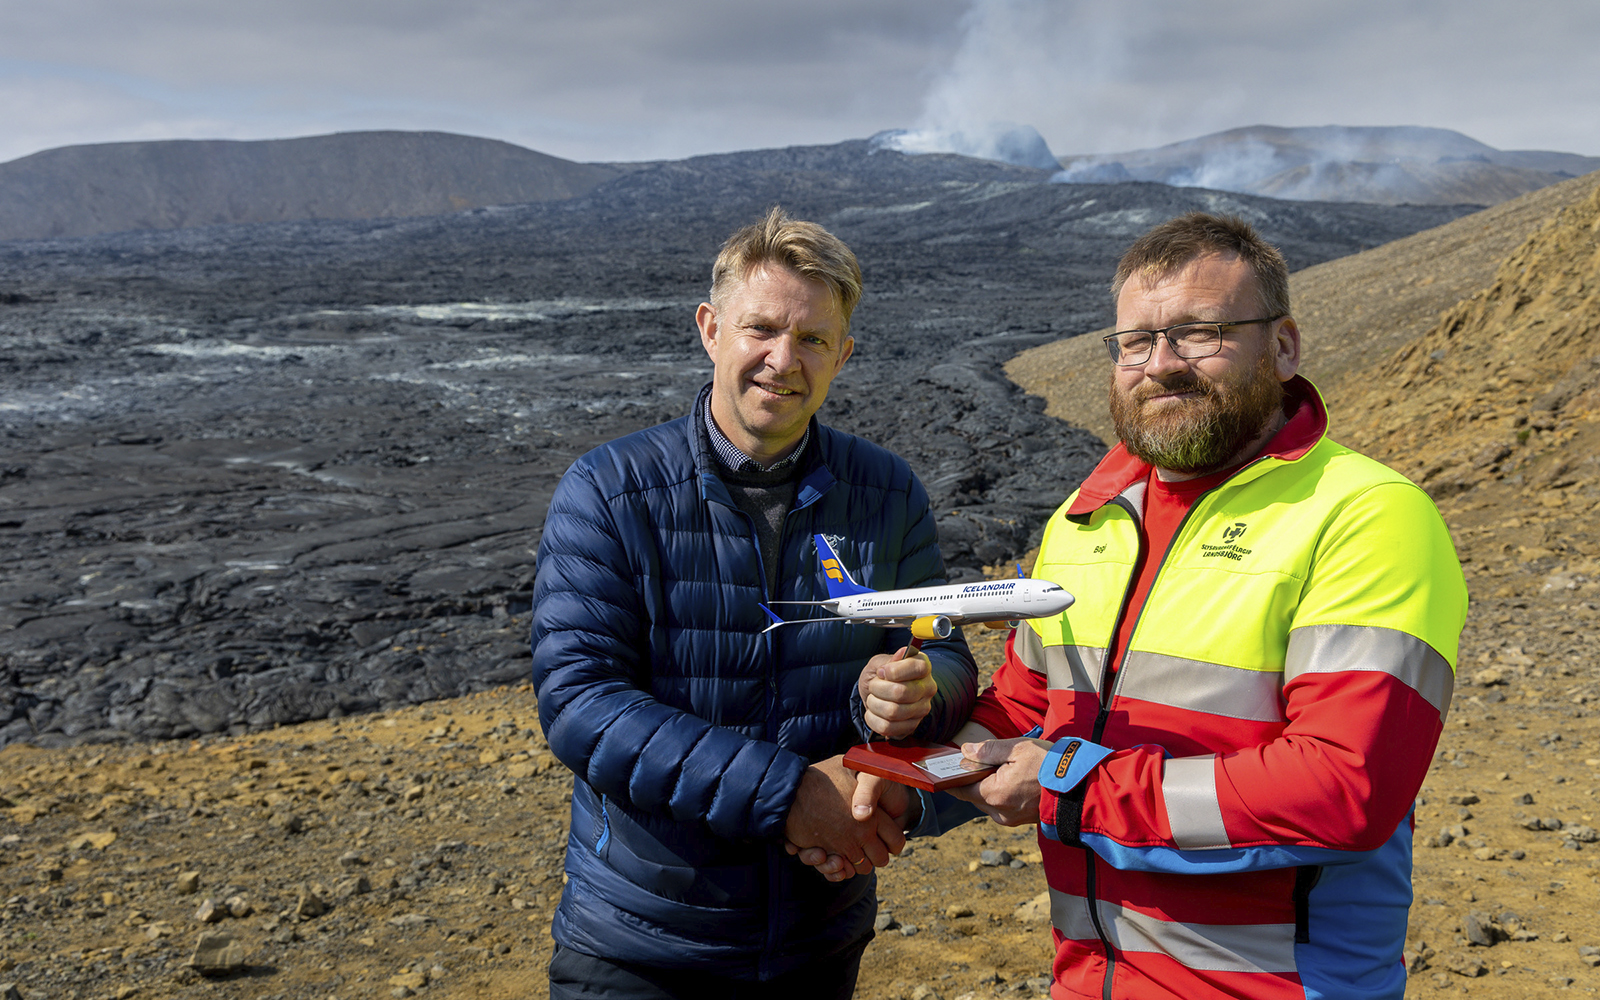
(601, 841)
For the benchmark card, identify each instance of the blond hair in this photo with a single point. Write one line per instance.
(803, 247)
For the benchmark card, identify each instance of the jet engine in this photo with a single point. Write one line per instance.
(932, 627)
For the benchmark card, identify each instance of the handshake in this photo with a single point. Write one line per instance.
(844, 823)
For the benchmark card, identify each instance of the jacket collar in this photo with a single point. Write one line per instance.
(1120, 472)
(815, 479)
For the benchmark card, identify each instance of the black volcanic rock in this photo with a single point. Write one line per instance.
(176, 184)
(259, 474)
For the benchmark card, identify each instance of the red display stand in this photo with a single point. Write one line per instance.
(932, 767)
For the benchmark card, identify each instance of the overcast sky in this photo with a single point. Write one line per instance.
(630, 79)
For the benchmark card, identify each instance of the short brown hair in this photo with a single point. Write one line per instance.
(1167, 248)
(803, 247)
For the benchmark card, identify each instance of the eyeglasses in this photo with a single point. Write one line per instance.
(1187, 340)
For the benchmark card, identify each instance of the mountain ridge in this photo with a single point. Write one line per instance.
(1378, 164)
(180, 183)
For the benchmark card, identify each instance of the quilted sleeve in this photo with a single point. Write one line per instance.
(589, 634)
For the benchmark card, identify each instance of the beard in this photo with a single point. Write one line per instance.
(1202, 433)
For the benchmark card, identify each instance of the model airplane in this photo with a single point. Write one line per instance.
(929, 612)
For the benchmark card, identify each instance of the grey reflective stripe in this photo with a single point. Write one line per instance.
(1189, 787)
(1133, 496)
(1207, 947)
(1212, 688)
(1323, 649)
(1029, 649)
(1074, 668)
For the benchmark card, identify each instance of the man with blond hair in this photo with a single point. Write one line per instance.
(703, 743)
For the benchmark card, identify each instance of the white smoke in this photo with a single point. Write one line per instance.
(1007, 142)
(1018, 61)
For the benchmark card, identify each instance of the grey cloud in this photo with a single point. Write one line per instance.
(618, 79)
(639, 79)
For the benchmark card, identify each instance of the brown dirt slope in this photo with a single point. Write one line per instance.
(432, 839)
(1353, 312)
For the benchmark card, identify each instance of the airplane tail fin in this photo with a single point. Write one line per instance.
(840, 582)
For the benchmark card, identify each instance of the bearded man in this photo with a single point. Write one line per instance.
(1239, 710)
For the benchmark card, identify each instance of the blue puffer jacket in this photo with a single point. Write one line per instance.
(687, 727)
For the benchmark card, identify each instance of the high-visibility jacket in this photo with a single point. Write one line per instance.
(1227, 812)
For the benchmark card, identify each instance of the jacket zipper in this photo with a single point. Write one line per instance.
(1110, 681)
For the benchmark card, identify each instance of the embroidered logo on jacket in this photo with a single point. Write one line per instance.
(1067, 754)
(1228, 549)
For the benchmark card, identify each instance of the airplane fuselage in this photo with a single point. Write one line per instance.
(990, 600)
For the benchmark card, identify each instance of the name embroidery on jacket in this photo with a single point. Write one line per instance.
(1228, 549)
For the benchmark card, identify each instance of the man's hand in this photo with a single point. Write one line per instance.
(872, 792)
(1011, 794)
(897, 691)
(821, 820)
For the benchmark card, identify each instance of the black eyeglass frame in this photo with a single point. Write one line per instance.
(1115, 349)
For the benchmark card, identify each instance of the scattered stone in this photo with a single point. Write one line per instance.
(239, 907)
(410, 920)
(98, 841)
(217, 953)
(1463, 965)
(347, 887)
(310, 905)
(188, 883)
(909, 930)
(957, 910)
(994, 859)
(925, 992)
(1480, 929)
(884, 921)
(209, 913)
(1035, 910)
(353, 859)
(410, 980)
(1561, 982)
(289, 823)
(1583, 834)
(9, 991)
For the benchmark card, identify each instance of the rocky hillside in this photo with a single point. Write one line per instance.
(176, 184)
(1508, 379)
